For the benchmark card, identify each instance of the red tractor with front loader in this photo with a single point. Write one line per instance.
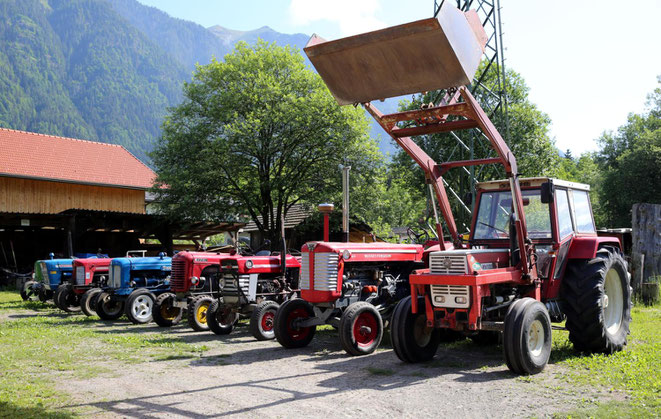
(533, 255)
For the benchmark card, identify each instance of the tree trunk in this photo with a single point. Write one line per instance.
(646, 250)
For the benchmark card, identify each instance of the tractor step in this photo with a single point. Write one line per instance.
(428, 54)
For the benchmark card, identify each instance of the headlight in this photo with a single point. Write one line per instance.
(221, 282)
(346, 254)
(249, 264)
(194, 280)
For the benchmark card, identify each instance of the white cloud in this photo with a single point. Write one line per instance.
(352, 16)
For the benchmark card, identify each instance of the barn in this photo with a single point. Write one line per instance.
(69, 196)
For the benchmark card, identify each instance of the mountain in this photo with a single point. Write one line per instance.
(106, 70)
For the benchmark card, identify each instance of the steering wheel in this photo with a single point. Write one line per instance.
(417, 238)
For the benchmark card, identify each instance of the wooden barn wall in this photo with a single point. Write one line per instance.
(38, 196)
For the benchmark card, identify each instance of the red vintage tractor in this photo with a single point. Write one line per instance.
(193, 285)
(254, 287)
(80, 292)
(533, 255)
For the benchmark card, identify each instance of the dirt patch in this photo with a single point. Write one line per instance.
(240, 376)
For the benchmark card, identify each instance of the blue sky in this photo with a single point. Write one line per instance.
(588, 63)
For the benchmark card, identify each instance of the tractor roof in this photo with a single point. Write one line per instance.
(531, 183)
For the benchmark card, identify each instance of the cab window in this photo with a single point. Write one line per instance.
(582, 212)
(564, 216)
(494, 215)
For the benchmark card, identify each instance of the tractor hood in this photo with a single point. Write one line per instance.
(367, 252)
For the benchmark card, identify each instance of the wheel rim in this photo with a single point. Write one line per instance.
(201, 314)
(299, 333)
(536, 338)
(613, 301)
(266, 324)
(225, 317)
(365, 329)
(111, 307)
(168, 311)
(421, 333)
(141, 307)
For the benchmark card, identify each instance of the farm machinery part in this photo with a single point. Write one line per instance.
(193, 284)
(133, 286)
(90, 276)
(532, 256)
(48, 274)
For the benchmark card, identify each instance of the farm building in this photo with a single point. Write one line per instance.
(70, 196)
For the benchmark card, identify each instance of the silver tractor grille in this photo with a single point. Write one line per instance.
(304, 280)
(229, 287)
(450, 296)
(443, 264)
(116, 277)
(80, 275)
(325, 271)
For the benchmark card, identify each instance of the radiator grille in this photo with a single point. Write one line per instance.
(447, 296)
(304, 280)
(116, 276)
(178, 277)
(325, 271)
(447, 264)
(230, 285)
(80, 275)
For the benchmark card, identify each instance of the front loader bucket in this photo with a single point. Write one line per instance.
(428, 54)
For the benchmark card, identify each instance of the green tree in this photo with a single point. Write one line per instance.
(256, 134)
(631, 161)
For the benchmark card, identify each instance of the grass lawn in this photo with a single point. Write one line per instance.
(636, 371)
(34, 351)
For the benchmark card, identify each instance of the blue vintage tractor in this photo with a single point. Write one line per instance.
(47, 277)
(134, 284)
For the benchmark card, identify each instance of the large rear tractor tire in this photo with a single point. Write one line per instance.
(527, 337)
(221, 319)
(197, 312)
(411, 339)
(286, 331)
(262, 320)
(165, 313)
(361, 328)
(68, 300)
(88, 301)
(596, 299)
(108, 308)
(139, 306)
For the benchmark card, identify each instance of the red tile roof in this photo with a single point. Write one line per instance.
(31, 155)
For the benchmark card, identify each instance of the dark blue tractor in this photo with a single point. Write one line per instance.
(47, 277)
(133, 286)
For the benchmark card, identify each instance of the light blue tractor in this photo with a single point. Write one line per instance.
(133, 286)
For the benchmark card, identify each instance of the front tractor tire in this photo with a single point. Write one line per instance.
(139, 306)
(361, 328)
(412, 340)
(221, 319)
(597, 302)
(527, 337)
(198, 309)
(165, 313)
(287, 332)
(28, 290)
(67, 299)
(108, 308)
(88, 301)
(262, 320)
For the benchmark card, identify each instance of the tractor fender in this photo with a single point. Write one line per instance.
(586, 247)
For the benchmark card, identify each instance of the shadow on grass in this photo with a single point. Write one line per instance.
(10, 410)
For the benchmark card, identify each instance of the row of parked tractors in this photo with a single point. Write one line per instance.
(532, 255)
(361, 289)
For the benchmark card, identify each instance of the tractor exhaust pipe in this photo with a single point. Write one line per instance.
(345, 203)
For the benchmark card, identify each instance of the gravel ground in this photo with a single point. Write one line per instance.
(239, 376)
